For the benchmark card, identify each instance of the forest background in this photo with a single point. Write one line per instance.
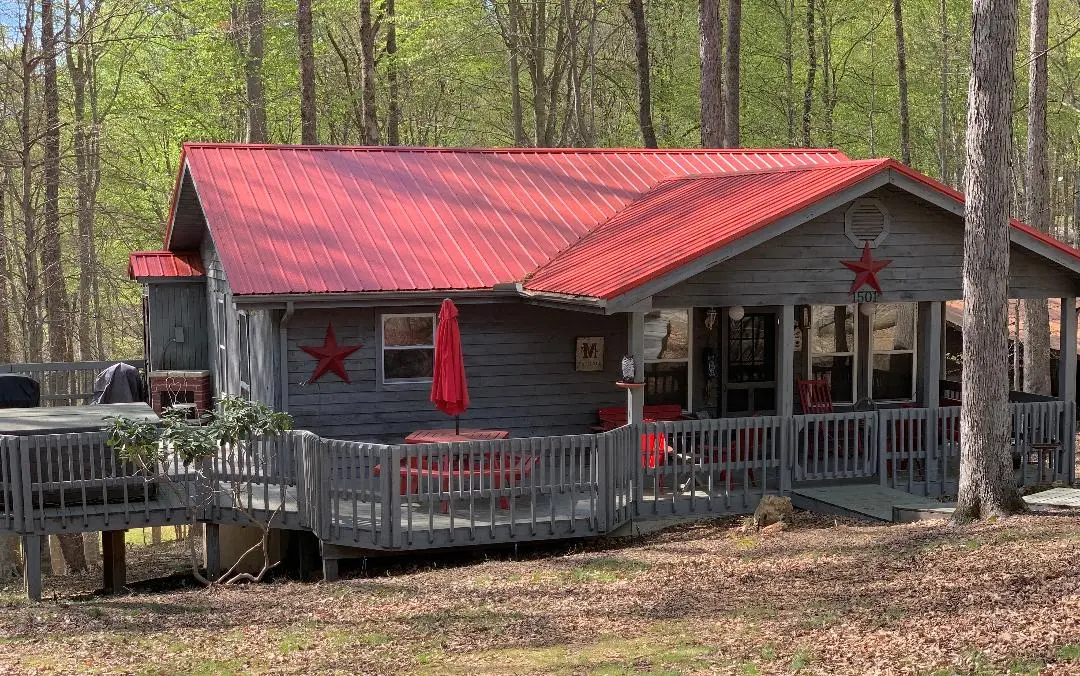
(97, 96)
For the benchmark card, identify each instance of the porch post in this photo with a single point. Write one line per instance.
(785, 368)
(1067, 383)
(635, 396)
(928, 383)
(1067, 352)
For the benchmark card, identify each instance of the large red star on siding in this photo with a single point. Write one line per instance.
(331, 356)
(866, 269)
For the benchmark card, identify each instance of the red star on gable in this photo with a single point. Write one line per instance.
(866, 269)
(331, 356)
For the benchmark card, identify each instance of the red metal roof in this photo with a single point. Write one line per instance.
(144, 264)
(686, 218)
(294, 219)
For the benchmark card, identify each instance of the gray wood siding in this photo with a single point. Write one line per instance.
(519, 360)
(175, 305)
(925, 245)
(225, 381)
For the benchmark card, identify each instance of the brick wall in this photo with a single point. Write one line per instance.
(181, 387)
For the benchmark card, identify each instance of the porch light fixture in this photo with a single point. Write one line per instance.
(866, 309)
(711, 316)
(736, 312)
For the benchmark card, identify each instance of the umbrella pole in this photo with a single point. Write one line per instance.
(457, 424)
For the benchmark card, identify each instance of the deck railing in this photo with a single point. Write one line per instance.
(66, 383)
(376, 496)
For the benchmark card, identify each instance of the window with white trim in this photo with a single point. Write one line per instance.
(892, 351)
(221, 321)
(408, 348)
(667, 357)
(244, 348)
(833, 348)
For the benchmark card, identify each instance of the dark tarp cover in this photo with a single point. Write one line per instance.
(19, 391)
(119, 384)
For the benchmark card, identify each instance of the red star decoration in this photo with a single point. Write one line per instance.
(331, 356)
(866, 269)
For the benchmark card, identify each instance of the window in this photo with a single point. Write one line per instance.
(751, 344)
(892, 351)
(832, 348)
(667, 357)
(408, 348)
(220, 321)
(244, 348)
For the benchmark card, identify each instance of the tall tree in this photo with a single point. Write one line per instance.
(510, 28)
(368, 30)
(255, 128)
(52, 271)
(986, 477)
(393, 95)
(811, 73)
(710, 35)
(1037, 202)
(943, 100)
(902, 82)
(732, 68)
(644, 86)
(308, 127)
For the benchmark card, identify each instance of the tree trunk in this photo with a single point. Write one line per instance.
(902, 83)
(32, 320)
(987, 486)
(712, 102)
(731, 75)
(1037, 202)
(367, 62)
(393, 110)
(256, 97)
(513, 47)
(538, 71)
(308, 128)
(811, 73)
(52, 271)
(829, 94)
(5, 291)
(644, 90)
(943, 134)
(789, 70)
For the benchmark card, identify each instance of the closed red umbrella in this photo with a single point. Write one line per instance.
(449, 391)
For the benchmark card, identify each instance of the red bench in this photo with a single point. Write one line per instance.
(612, 417)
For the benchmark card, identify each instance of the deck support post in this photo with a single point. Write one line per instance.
(1067, 383)
(635, 396)
(212, 550)
(114, 558)
(329, 569)
(785, 364)
(31, 545)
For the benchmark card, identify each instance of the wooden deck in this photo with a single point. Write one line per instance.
(866, 501)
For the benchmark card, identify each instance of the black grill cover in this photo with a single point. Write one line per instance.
(19, 391)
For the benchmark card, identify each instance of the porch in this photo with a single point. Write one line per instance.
(359, 497)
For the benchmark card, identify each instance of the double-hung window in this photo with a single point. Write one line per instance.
(244, 348)
(667, 357)
(408, 348)
(892, 351)
(832, 353)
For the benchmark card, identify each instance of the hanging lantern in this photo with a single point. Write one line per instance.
(710, 319)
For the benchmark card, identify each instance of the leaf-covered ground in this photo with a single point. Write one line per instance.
(826, 597)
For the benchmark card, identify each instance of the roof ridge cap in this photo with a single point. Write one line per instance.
(502, 150)
(883, 161)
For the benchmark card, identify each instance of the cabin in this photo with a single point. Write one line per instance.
(646, 333)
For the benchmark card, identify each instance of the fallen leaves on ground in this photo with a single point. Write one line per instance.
(826, 596)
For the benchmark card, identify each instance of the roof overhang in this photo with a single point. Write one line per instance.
(165, 266)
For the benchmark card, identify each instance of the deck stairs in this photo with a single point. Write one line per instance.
(888, 505)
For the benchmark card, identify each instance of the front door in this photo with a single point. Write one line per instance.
(748, 362)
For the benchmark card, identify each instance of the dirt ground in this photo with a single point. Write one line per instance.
(827, 597)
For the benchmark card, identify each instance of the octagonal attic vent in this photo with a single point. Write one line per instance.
(866, 220)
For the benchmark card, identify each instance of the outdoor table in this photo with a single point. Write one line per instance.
(448, 435)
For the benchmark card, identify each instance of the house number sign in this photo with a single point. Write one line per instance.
(589, 354)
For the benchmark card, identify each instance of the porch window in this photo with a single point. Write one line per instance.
(408, 348)
(221, 319)
(892, 350)
(667, 357)
(244, 345)
(832, 348)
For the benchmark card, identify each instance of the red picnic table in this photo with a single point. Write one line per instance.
(445, 435)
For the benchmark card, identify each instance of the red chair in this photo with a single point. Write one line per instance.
(612, 417)
(815, 396)
(655, 453)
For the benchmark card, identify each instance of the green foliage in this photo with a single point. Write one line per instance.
(237, 420)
